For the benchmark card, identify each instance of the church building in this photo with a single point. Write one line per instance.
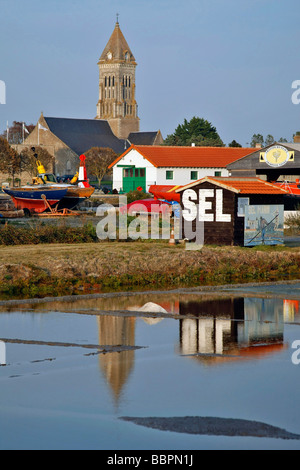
(116, 124)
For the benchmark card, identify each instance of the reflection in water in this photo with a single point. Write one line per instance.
(116, 331)
(231, 327)
(220, 329)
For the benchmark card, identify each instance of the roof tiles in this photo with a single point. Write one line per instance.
(189, 157)
(240, 185)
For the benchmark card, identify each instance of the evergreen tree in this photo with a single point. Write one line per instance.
(197, 131)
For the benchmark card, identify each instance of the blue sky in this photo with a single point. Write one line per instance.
(231, 62)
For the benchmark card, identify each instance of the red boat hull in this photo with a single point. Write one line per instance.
(33, 205)
(165, 192)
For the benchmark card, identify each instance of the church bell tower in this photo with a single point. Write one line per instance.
(117, 103)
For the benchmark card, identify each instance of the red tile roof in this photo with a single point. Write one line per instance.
(239, 185)
(189, 157)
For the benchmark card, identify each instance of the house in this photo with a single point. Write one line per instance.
(279, 161)
(232, 211)
(143, 166)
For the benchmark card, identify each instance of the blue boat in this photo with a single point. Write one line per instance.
(36, 199)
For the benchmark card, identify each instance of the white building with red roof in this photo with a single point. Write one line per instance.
(144, 166)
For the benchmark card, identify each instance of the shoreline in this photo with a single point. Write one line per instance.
(38, 271)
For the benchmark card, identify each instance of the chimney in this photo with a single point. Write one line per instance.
(193, 145)
(297, 138)
(258, 146)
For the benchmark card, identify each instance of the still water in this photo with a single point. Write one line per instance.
(173, 370)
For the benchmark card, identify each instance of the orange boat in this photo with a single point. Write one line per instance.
(292, 187)
(165, 192)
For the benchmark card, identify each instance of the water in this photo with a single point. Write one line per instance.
(75, 369)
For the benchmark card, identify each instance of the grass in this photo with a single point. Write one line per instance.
(59, 269)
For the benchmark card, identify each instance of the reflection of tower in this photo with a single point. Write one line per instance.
(116, 331)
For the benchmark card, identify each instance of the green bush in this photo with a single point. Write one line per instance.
(13, 235)
(137, 195)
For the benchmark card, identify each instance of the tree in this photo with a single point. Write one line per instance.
(269, 140)
(29, 160)
(98, 160)
(257, 139)
(15, 132)
(197, 131)
(234, 143)
(10, 160)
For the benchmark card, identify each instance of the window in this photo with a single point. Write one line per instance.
(218, 173)
(142, 172)
(194, 175)
(169, 174)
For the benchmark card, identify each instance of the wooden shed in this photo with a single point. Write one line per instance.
(232, 211)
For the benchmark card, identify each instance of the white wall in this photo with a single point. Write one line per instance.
(182, 176)
(155, 175)
(134, 158)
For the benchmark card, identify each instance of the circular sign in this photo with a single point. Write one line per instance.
(277, 156)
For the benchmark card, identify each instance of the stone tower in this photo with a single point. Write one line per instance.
(117, 102)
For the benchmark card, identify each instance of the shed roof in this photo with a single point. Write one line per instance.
(239, 185)
(188, 157)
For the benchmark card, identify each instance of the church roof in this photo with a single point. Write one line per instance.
(118, 47)
(82, 134)
(142, 138)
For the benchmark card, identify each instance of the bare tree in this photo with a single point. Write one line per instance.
(29, 160)
(16, 132)
(10, 160)
(98, 160)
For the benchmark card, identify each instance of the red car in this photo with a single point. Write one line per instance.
(147, 206)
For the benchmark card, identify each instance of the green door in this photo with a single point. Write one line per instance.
(134, 178)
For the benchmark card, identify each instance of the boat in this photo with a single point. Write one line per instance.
(78, 190)
(36, 199)
(292, 198)
(292, 187)
(165, 192)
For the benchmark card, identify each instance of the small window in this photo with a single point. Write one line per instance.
(194, 175)
(142, 172)
(126, 172)
(136, 172)
(218, 173)
(169, 174)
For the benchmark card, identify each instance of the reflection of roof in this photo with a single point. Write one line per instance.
(189, 157)
(82, 134)
(239, 185)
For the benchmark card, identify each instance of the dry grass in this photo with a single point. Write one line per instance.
(38, 269)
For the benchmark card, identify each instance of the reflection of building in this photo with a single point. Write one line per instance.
(290, 309)
(231, 327)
